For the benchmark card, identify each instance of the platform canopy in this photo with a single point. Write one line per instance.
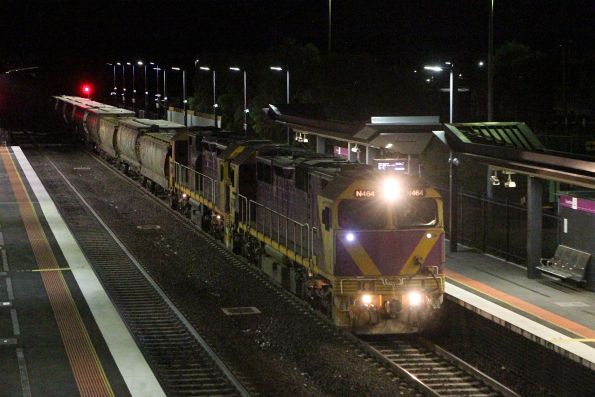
(513, 146)
(407, 135)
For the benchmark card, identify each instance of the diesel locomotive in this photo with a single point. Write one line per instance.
(365, 247)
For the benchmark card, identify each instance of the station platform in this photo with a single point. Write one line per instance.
(555, 314)
(60, 334)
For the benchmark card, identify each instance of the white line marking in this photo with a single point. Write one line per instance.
(135, 370)
(4, 261)
(23, 372)
(15, 322)
(9, 290)
(243, 392)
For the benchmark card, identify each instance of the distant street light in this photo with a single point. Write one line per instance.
(448, 66)
(157, 95)
(215, 105)
(113, 65)
(280, 69)
(184, 100)
(123, 82)
(141, 63)
(236, 69)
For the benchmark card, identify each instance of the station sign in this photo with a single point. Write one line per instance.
(399, 165)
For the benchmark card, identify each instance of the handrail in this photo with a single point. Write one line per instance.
(258, 217)
(196, 181)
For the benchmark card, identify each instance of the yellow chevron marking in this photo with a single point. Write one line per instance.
(422, 250)
(361, 259)
(236, 152)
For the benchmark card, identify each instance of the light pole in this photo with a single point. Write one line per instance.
(113, 65)
(141, 63)
(215, 105)
(164, 93)
(491, 64)
(184, 101)
(132, 66)
(123, 83)
(449, 67)
(280, 69)
(236, 69)
(157, 95)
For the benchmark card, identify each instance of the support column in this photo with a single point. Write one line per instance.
(534, 225)
(453, 209)
(320, 144)
(371, 154)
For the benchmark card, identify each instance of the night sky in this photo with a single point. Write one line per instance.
(174, 31)
(74, 40)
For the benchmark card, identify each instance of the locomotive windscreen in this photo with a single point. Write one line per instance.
(415, 213)
(362, 214)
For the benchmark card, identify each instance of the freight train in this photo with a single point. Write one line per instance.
(363, 246)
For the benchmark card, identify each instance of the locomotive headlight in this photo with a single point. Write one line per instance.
(350, 237)
(366, 299)
(415, 298)
(184, 196)
(391, 189)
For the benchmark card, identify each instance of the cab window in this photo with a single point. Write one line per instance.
(415, 213)
(362, 214)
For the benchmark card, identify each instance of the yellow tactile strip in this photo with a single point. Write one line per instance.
(87, 370)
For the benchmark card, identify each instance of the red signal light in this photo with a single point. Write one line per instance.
(87, 89)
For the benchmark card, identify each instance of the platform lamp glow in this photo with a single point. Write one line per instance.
(236, 69)
(280, 69)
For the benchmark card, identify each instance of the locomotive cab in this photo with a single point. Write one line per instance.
(384, 238)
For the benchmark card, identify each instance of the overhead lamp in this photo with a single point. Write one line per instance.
(388, 146)
(510, 182)
(494, 179)
(205, 68)
(175, 68)
(277, 68)
(355, 149)
(128, 63)
(480, 64)
(434, 68)
(234, 68)
(139, 63)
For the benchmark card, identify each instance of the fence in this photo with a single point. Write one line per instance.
(499, 228)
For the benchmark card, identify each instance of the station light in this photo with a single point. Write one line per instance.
(350, 237)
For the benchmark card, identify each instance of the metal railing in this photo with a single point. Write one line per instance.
(204, 186)
(293, 235)
(499, 227)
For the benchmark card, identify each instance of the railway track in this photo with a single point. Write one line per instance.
(182, 360)
(435, 371)
(419, 369)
